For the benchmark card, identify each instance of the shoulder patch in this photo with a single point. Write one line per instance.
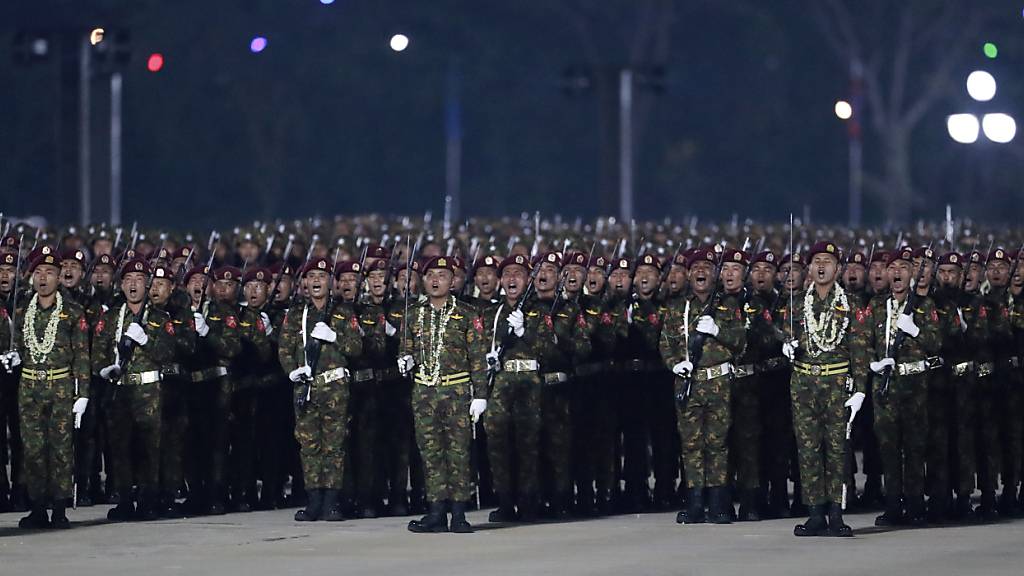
(478, 325)
(231, 322)
(169, 328)
(83, 325)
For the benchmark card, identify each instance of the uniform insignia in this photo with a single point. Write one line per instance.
(653, 319)
(723, 308)
(354, 323)
(739, 315)
(983, 312)
(231, 322)
(593, 312)
(213, 318)
(63, 316)
(3, 313)
(935, 316)
(338, 316)
(533, 314)
(169, 328)
(606, 319)
(749, 309)
(581, 321)
(370, 322)
(862, 315)
(457, 317)
(260, 326)
(766, 315)
(562, 315)
(478, 325)
(82, 324)
(246, 324)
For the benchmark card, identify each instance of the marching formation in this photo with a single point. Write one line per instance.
(371, 366)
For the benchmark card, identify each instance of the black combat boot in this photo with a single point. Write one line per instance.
(778, 501)
(939, 509)
(798, 508)
(36, 519)
(986, 510)
(836, 526)
(435, 521)
(815, 525)
(694, 511)
(506, 511)
(962, 511)
(217, 496)
(528, 508)
(125, 509)
(560, 506)
(872, 495)
(332, 506)
(59, 517)
(748, 506)
(602, 503)
(893, 515)
(720, 508)
(916, 514)
(398, 503)
(148, 506)
(5, 496)
(314, 506)
(1008, 502)
(459, 523)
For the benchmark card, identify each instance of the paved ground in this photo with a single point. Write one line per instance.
(270, 543)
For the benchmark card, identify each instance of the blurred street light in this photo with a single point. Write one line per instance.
(399, 42)
(981, 86)
(999, 128)
(963, 128)
(843, 110)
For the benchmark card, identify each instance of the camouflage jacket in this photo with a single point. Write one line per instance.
(295, 334)
(158, 352)
(680, 326)
(464, 344)
(870, 329)
(572, 335)
(537, 341)
(255, 364)
(222, 343)
(956, 310)
(600, 327)
(71, 345)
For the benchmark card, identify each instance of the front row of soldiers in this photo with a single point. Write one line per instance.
(583, 374)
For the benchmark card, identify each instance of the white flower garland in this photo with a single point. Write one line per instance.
(434, 345)
(826, 331)
(40, 349)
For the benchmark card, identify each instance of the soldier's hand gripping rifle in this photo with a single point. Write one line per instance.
(897, 341)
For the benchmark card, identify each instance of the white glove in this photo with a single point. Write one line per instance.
(476, 408)
(517, 323)
(202, 328)
(389, 330)
(10, 360)
(684, 368)
(323, 332)
(880, 366)
(629, 314)
(706, 325)
(494, 360)
(136, 333)
(111, 372)
(963, 323)
(789, 349)
(854, 403)
(906, 323)
(405, 364)
(268, 328)
(78, 409)
(301, 373)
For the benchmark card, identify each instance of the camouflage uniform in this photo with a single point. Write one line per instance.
(362, 474)
(1006, 320)
(252, 371)
(397, 439)
(174, 417)
(441, 407)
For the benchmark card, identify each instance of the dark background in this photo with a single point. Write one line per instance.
(329, 120)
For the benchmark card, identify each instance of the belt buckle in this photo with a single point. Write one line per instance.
(40, 374)
(815, 370)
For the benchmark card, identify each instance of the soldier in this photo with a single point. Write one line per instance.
(446, 349)
(792, 277)
(130, 345)
(318, 342)
(703, 387)
(828, 377)
(276, 412)
(485, 281)
(52, 346)
(901, 403)
(12, 490)
(518, 338)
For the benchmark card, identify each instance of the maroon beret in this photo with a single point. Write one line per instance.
(322, 264)
(440, 263)
(257, 273)
(951, 258)
(347, 267)
(766, 256)
(227, 273)
(516, 259)
(823, 247)
(135, 265)
(735, 256)
(701, 255)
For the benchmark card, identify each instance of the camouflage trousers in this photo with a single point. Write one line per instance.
(819, 422)
(704, 430)
(321, 426)
(941, 422)
(745, 433)
(444, 436)
(173, 424)
(244, 449)
(512, 422)
(556, 437)
(776, 428)
(9, 421)
(361, 471)
(46, 424)
(901, 423)
(135, 416)
(396, 435)
(594, 426)
(987, 448)
(1011, 427)
(964, 422)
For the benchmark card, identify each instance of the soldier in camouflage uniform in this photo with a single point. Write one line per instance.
(901, 420)
(51, 343)
(518, 338)
(703, 388)
(131, 343)
(11, 489)
(445, 353)
(828, 377)
(331, 334)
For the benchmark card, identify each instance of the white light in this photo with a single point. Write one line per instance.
(399, 42)
(981, 86)
(843, 110)
(999, 128)
(963, 128)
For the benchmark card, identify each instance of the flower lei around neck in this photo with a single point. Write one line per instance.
(825, 331)
(38, 348)
(434, 344)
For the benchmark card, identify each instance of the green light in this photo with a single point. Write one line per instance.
(990, 50)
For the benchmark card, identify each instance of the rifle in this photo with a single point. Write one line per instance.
(897, 341)
(14, 290)
(695, 350)
(506, 339)
(284, 262)
(471, 275)
(179, 276)
(309, 255)
(314, 347)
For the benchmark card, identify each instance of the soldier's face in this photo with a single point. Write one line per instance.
(101, 247)
(929, 271)
(856, 276)
(647, 280)
(284, 288)
(513, 279)
(998, 273)
(318, 283)
(102, 277)
(348, 285)
(46, 278)
(458, 280)
(676, 279)
(414, 282)
(899, 276)
(574, 277)
(949, 276)
(160, 291)
(1018, 275)
(225, 291)
(620, 282)
(823, 269)
(547, 277)
(195, 287)
(595, 280)
(375, 280)
(249, 251)
(702, 276)
(176, 265)
(6, 278)
(71, 273)
(878, 276)
(438, 282)
(762, 276)
(133, 285)
(974, 275)
(732, 276)
(793, 275)
(486, 279)
(255, 292)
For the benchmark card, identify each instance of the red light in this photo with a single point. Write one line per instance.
(155, 62)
